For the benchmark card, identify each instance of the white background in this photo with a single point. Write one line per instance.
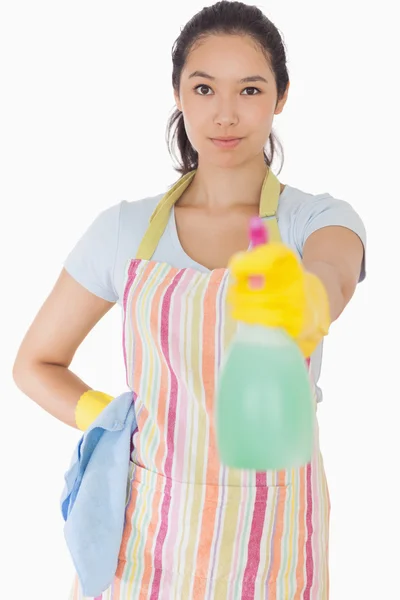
(85, 97)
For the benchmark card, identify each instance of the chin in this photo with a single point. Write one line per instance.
(225, 160)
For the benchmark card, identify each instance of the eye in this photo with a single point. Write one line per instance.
(254, 89)
(203, 87)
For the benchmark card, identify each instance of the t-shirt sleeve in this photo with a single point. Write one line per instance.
(92, 260)
(322, 211)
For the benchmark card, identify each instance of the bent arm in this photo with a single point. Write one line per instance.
(41, 368)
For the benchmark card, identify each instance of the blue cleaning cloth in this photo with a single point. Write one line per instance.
(94, 498)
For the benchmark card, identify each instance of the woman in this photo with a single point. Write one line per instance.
(193, 528)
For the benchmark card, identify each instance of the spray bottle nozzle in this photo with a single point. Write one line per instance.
(258, 232)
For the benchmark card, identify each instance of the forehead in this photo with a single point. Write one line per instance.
(226, 56)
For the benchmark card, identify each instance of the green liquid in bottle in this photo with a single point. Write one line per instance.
(264, 407)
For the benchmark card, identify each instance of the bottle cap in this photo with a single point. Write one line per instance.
(258, 232)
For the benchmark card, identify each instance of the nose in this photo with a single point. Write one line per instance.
(226, 113)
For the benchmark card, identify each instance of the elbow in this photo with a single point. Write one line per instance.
(20, 372)
(16, 371)
(347, 290)
(23, 368)
(27, 362)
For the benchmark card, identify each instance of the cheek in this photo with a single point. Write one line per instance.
(258, 114)
(259, 121)
(197, 121)
(197, 110)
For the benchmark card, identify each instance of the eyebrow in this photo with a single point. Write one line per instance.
(250, 79)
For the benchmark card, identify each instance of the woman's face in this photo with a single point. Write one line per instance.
(227, 90)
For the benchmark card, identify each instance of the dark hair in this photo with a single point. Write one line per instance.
(223, 18)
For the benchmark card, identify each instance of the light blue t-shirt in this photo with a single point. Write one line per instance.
(99, 258)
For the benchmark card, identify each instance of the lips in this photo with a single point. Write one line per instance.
(226, 142)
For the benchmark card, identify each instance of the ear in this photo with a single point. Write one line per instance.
(282, 101)
(177, 101)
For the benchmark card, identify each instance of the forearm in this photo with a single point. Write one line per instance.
(53, 387)
(330, 278)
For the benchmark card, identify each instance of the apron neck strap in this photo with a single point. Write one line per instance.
(269, 200)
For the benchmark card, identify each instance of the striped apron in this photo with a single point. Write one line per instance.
(195, 529)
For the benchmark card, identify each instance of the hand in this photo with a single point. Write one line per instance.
(272, 288)
(89, 406)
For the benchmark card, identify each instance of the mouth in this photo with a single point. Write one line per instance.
(226, 142)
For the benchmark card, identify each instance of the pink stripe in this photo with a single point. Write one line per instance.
(176, 361)
(132, 272)
(253, 558)
(182, 430)
(155, 591)
(309, 556)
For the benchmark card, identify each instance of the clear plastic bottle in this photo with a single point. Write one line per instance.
(264, 406)
(264, 409)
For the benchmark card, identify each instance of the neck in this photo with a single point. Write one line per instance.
(215, 187)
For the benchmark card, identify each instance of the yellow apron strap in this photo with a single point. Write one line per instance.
(269, 200)
(270, 193)
(160, 216)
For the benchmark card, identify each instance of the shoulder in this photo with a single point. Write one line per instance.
(301, 213)
(293, 199)
(125, 221)
(133, 223)
(125, 216)
(134, 219)
(139, 210)
(98, 258)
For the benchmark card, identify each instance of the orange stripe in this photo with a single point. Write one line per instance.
(301, 541)
(213, 464)
(151, 533)
(126, 533)
(301, 520)
(117, 587)
(76, 588)
(162, 401)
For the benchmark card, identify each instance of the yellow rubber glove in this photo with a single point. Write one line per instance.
(272, 288)
(89, 406)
